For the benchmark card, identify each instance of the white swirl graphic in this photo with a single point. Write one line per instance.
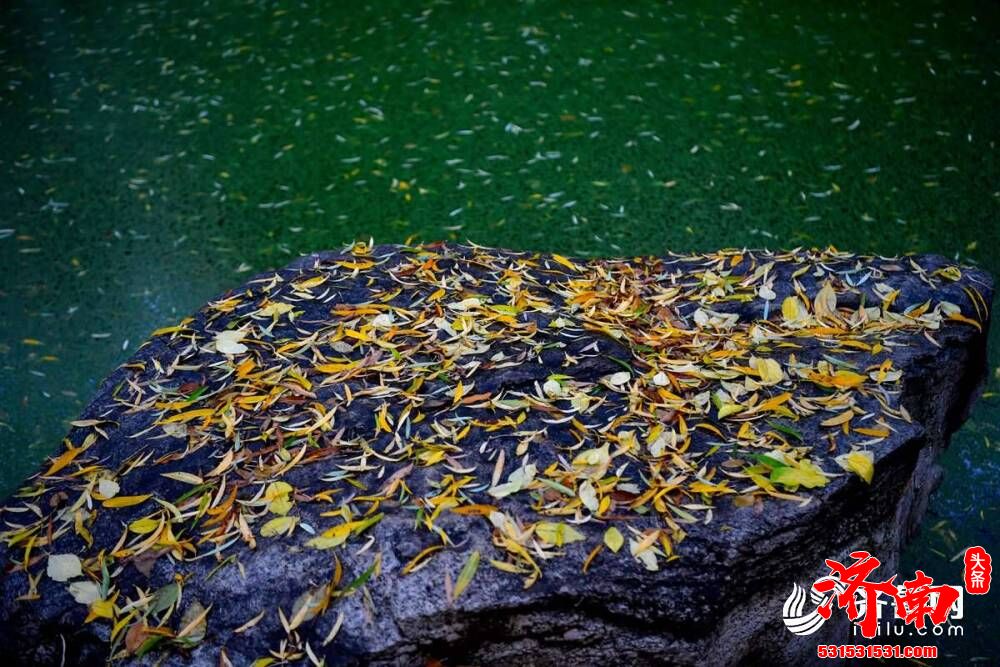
(800, 622)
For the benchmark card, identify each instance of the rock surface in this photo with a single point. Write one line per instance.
(399, 454)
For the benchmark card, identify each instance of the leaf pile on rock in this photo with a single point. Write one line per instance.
(593, 410)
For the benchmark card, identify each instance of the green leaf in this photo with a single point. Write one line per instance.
(164, 598)
(766, 460)
(557, 534)
(149, 645)
(361, 580)
(466, 575)
(195, 395)
(786, 429)
(801, 473)
(278, 526)
(613, 539)
(727, 409)
(105, 579)
(840, 363)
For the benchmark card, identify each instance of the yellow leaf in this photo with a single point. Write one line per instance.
(837, 420)
(167, 330)
(193, 622)
(793, 310)
(143, 526)
(872, 432)
(185, 477)
(768, 369)
(309, 283)
(565, 262)
(333, 537)
(62, 460)
(613, 539)
(727, 409)
(949, 272)
(592, 457)
(860, 463)
(840, 379)
(275, 309)
(277, 496)
(847, 379)
(245, 367)
(189, 415)
(279, 525)
(102, 609)
(277, 490)
(773, 403)
(825, 303)
(336, 367)
(126, 501)
(959, 317)
(799, 473)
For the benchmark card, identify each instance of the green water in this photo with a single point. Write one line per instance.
(153, 154)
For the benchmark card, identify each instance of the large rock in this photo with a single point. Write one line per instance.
(394, 454)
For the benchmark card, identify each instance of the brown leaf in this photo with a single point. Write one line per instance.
(136, 636)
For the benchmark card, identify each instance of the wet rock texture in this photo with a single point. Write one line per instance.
(403, 454)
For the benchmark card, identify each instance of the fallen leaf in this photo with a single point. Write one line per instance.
(613, 539)
(126, 501)
(228, 342)
(278, 525)
(63, 567)
(557, 534)
(860, 463)
(466, 575)
(85, 592)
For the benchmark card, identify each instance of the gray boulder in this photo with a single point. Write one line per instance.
(394, 455)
